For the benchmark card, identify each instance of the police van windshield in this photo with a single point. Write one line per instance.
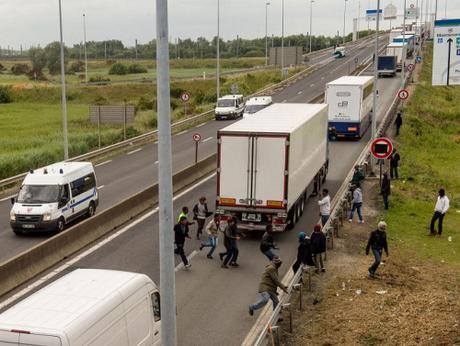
(226, 103)
(39, 194)
(254, 108)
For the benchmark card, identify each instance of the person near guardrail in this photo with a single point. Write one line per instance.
(398, 123)
(358, 176)
(324, 206)
(385, 189)
(180, 234)
(231, 236)
(318, 247)
(268, 286)
(377, 242)
(267, 243)
(440, 209)
(200, 213)
(212, 229)
(304, 253)
(394, 163)
(357, 204)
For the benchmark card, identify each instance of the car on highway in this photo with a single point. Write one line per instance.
(87, 307)
(229, 107)
(255, 104)
(52, 196)
(340, 52)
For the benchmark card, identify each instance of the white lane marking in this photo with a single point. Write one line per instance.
(7, 198)
(284, 101)
(201, 125)
(101, 187)
(207, 139)
(156, 162)
(300, 92)
(134, 151)
(181, 265)
(181, 133)
(103, 163)
(94, 248)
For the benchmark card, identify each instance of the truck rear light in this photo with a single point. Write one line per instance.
(227, 201)
(19, 331)
(275, 204)
(352, 129)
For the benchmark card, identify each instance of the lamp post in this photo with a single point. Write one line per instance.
(344, 16)
(266, 33)
(374, 104)
(218, 51)
(63, 91)
(84, 40)
(282, 38)
(311, 21)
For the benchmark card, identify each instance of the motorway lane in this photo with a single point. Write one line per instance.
(129, 173)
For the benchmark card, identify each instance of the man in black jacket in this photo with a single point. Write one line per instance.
(398, 123)
(180, 233)
(394, 164)
(304, 255)
(385, 189)
(377, 242)
(318, 247)
(267, 244)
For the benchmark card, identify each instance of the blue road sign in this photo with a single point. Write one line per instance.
(418, 58)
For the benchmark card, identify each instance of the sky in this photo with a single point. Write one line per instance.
(33, 22)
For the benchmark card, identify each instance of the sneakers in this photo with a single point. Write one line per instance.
(361, 221)
(234, 264)
(187, 266)
(323, 270)
(250, 310)
(221, 256)
(224, 266)
(350, 220)
(201, 247)
(371, 274)
(209, 256)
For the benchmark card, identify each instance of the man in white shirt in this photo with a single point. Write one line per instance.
(324, 206)
(442, 205)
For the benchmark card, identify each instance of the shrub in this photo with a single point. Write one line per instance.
(118, 69)
(77, 66)
(18, 69)
(136, 68)
(99, 79)
(36, 75)
(144, 104)
(110, 62)
(175, 91)
(5, 94)
(2, 68)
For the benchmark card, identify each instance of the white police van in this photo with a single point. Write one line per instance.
(255, 104)
(52, 196)
(229, 107)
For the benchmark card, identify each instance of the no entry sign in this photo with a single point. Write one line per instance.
(185, 96)
(410, 67)
(196, 137)
(403, 94)
(381, 148)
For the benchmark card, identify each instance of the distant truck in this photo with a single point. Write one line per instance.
(229, 107)
(409, 40)
(386, 65)
(340, 52)
(395, 33)
(350, 103)
(398, 50)
(270, 163)
(87, 307)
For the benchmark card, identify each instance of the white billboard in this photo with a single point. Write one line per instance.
(390, 12)
(446, 52)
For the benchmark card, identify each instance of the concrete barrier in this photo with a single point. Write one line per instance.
(41, 257)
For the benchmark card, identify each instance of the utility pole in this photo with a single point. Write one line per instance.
(344, 17)
(86, 55)
(266, 33)
(63, 93)
(436, 10)
(359, 19)
(135, 43)
(167, 282)
(282, 38)
(404, 53)
(376, 78)
(218, 50)
(311, 21)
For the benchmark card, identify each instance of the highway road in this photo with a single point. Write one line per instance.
(126, 174)
(211, 301)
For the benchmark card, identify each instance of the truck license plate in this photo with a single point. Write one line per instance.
(28, 226)
(252, 217)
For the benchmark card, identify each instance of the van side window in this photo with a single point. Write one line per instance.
(83, 184)
(156, 306)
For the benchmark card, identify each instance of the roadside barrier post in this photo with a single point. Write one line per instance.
(299, 287)
(124, 122)
(287, 307)
(275, 335)
(99, 126)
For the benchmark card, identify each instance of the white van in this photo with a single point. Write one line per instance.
(340, 52)
(229, 107)
(54, 195)
(255, 104)
(87, 307)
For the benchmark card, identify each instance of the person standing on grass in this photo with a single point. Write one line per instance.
(398, 123)
(268, 285)
(394, 163)
(304, 254)
(318, 247)
(357, 203)
(324, 206)
(377, 242)
(440, 209)
(180, 233)
(267, 244)
(385, 189)
(212, 229)
(200, 212)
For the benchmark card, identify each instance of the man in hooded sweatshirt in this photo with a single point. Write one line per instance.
(268, 285)
(304, 254)
(318, 247)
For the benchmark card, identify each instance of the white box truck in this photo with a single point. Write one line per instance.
(350, 101)
(270, 163)
(395, 33)
(398, 50)
(87, 307)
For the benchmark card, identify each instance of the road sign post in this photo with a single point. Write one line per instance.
(185, 98)
(196, 138)
(381, 149)
(446, 52)
(403, 94)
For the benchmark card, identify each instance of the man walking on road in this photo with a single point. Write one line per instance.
(357, 203)
(398, 123)
(304, 254)
(324, 206)
(184, 212)
(268, 286)
(377, 242)
(318, 247)
(230, 238)
(212, 229)
(385, 189)
(180, 233)
(267, 244)
(200, 213)
(394, 163)
(440, 209)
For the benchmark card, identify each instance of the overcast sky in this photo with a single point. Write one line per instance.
(32, 22)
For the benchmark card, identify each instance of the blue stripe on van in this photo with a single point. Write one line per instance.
(80, 202)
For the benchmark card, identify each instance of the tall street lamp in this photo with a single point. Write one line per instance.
(311, 21)
(218, 50)
(344, 16)
(282, 37)
(63, 94)
(86, 56)
(266, 33)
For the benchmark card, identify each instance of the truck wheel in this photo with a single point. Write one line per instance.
(301, 205)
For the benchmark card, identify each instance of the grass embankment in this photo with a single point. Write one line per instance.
(430, 150)
(31, 126)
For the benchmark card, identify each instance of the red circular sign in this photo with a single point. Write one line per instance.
(185, 96)
(410, 67)
(412, 5)
(196, 137)
(381, 148)
(403, 94)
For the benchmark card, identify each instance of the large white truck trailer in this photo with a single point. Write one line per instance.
(270, 163)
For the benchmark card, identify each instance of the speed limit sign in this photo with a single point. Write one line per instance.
(403, 94)
(410, 67)
(185, 96)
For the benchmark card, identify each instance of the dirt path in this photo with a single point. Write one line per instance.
(412, 303)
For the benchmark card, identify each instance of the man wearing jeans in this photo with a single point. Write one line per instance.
(357, 203)
(324, 206)
(268, 285)
(377, 242)
(267, 244)
(212, 229)
(442, 205)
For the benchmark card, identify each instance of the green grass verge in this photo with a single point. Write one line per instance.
(430, 151)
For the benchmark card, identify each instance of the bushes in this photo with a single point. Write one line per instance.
(99, 79)
(5, 94)
(19, 69)
(2, 68)
(136, 68)
(77, 66)
(145, 104)
(118, 69)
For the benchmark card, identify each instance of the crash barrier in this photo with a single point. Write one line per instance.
(266, 330)
(26, 265)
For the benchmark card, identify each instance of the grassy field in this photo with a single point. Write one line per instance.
(430, 151)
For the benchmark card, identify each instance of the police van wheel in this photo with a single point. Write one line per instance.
(91, 209)
(60, 225)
